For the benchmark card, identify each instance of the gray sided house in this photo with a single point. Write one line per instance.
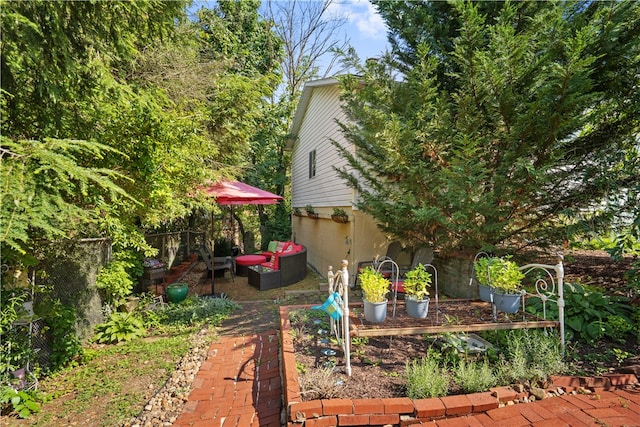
(315, 183)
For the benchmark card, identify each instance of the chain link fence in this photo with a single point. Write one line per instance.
(174, 248)
(68, 271)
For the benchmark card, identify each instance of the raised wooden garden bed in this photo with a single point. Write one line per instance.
(453, 315)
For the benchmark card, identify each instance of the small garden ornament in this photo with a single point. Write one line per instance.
(416, 284)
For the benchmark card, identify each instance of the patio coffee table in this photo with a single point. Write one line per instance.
(245, 261)
(264, 278)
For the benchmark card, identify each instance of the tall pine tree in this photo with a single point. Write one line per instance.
(497, 122)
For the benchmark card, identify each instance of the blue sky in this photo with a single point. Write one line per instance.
(365, 28)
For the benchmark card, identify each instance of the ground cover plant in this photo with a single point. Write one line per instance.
(108, 384)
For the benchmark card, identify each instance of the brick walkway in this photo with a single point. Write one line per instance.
(237, 385)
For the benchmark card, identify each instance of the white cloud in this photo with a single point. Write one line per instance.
(361, 15)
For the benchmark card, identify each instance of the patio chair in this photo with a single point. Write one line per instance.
(422, 255)
(217, 263)
(393, 251)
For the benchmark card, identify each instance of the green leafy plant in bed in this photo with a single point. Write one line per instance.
(23, 403)
(527, 355)
(195, 310)
(426, 378)
(474, 376)
(119, 328)
(590, 315)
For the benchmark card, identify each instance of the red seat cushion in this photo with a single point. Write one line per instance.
(400, 286)
(250, 259)
(272, 263)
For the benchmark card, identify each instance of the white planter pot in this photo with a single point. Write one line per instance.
(375, 312)
(416, 308)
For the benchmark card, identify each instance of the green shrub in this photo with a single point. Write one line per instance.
(61, 320)
(474, 377)
(618, 328)
(197, 309)
(425, 378)
(115, 282)
(529, 355)
(586, 311)
(120, 327)
(15, 348)
(23, 403)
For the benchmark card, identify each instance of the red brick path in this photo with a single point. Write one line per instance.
(237, 385)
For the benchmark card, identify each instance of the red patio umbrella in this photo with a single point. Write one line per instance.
(238, 193)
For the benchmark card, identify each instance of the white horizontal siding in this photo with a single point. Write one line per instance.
(316, 130)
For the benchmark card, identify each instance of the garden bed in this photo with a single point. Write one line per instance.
(380, 352)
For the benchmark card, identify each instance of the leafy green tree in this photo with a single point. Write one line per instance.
(76, 124)
(508, 125)
(250, 52)
(307, 33)
(42, 184)
(153, 102)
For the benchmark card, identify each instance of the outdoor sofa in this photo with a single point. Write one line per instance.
(289, 259)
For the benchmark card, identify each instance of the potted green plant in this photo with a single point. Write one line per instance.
(374, 288)
(481, 271)
(416, 293)
(504, 277)
(311, 212)
(339, 215)
(297, 212)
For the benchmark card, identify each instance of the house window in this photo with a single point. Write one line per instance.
(312, 164)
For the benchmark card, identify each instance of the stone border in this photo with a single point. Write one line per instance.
(406, 412)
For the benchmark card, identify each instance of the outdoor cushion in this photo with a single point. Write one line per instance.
(280, 246)
(400, 286)
(273, 245)
(250, 259)
(272, 263)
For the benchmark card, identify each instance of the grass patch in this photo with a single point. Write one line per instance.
(110, 384)
(109, 372)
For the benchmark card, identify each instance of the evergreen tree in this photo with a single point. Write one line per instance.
(494, 123)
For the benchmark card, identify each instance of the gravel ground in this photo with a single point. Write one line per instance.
(165, 407)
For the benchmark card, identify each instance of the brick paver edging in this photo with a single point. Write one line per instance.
(471, 409)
